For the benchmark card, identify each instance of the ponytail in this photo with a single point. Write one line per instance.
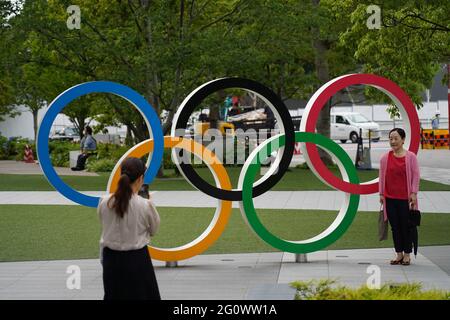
(132, 169)
(122, 195)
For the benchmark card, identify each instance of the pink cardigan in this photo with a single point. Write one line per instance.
(412, 175)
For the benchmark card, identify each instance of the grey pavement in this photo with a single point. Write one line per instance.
(20, 167)
(436, 174)
(231, 276)
(429, 201)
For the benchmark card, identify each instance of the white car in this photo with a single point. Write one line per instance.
(66, 134)
(346, 126)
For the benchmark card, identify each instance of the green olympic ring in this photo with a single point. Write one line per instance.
(345, 216)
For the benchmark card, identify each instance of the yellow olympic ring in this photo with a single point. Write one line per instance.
(223, 210)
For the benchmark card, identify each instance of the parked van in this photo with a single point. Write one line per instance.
(345, 126)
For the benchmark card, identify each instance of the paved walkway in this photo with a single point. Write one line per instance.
(20, 167)
(429, 201)
(228, 276)
(436, 174)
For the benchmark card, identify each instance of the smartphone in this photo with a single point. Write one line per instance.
(143, 192)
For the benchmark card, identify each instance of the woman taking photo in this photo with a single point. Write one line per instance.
(128, 221)
(399, 184)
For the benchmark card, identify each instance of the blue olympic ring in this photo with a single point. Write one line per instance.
(68, 96)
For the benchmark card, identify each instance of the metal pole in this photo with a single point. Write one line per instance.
(421, 136)
(301, 258)
(433, 139)
(448, 102)
(171, 264)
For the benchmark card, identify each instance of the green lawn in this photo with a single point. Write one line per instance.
(72, 232)
(295, 179)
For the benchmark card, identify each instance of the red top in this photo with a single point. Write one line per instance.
(396, 186)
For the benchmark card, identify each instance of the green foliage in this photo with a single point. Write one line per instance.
(110, 151)
(107, 155)
(328, 290)
(413, 40)
(167, 159)
(102, 165)
(3, 148)
(59, 152)
(20, 149)
(14, 148)
(168, 163)
(164, 49)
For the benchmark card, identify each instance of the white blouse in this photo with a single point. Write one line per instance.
(133, 231)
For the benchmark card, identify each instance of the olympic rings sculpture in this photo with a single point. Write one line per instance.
(282, 143)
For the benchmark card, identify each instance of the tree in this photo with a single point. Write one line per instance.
(409, 48)
(164, 49)
(29, 91)
(6, 88)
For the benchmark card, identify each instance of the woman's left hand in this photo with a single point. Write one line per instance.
(413, 201)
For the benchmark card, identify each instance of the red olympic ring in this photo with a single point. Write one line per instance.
(318, 100)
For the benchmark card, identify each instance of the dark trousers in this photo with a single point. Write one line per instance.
(81, 161)
(398, 216)
(129, 275)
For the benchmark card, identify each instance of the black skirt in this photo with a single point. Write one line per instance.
(129, 275)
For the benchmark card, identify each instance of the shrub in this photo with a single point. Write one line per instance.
(59, 152)
(167, 159)
(14, 148)
(324, 290)
(110, 151)
(3, 148)
(168, 163)
(21, 150)
(101, 165)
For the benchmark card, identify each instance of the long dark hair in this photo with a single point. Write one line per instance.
(88, 130)
(131, 170)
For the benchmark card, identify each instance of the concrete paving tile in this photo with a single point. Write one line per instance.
(198, 276)
(430, 201)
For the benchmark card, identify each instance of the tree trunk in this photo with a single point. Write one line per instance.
(214, 110)
(35, 123)
(79, 124)
(129, 137)
(214, 116)
(151, 80)
(323, 74)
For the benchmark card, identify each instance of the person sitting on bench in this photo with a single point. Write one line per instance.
(88, 145)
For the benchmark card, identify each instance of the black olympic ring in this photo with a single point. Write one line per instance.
(272, 100)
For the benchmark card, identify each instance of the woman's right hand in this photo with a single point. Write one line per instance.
(381, 199)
